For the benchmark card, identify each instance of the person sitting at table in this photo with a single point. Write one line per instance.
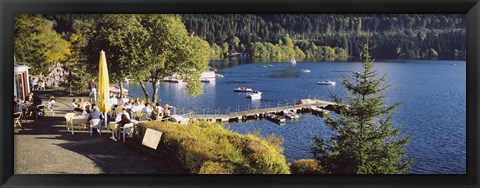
(88, 109)
(83, 103)
(95, 114)
(119, 115)
(157, 112)
(166, 110)
(147, 110)
(124, 119)
(112, 100)
(137, 107)
(124, 99)
(51, 101)
(129, 104)
(74, 104)
(29, 99)
(33, 107)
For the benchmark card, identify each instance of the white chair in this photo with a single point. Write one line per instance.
(16, 118)
(68, 119)
(95, 123)
(50, 110)
(127, 129)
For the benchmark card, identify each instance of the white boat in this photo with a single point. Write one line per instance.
(327, 82)
(243, 89)
(306, 70)
(290, 114)
(254, 95)
(293, 61)
(264, 66)
(269, 65)
(116, 90)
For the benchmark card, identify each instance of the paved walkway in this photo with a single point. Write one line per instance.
(45, 146)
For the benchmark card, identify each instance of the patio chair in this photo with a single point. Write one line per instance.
(40, 111)
(97, 124)
(127, 129)
(16, 119)
(50, 110)
(68, 120)
(138, 115)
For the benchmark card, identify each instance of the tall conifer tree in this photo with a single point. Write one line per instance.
(364, 140)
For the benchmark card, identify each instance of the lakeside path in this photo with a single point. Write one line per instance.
(45, 146)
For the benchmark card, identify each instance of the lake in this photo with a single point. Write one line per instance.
(432, 93)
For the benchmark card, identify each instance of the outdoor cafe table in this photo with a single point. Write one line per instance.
(78, 120)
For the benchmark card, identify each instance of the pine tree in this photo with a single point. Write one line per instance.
(365, 141)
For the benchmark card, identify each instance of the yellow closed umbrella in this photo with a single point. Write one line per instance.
(103, 85)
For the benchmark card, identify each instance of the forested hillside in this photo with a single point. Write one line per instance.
(321, 35)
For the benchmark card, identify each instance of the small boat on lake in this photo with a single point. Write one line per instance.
(293, 61)
(264, 66)
(327, 82)
(318, 111)
(306, 70)
(243, 89)
(290, 114)
(269, 65)
(172, 80)
(255, 95)
(275, 118)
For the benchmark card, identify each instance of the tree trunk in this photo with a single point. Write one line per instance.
(156, 85)
(121, 89)
(144, 88)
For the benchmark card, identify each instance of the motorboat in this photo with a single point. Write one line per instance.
(318, 111)
(275, 118)
(327, 82)
(306, 70)
(116, 90)
(243, 89)
(293, 61)
(254, 95)
(172, 80)
(290, 114)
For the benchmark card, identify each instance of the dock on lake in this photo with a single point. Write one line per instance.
(255, 114)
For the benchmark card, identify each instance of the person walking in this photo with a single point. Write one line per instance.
(92, 85)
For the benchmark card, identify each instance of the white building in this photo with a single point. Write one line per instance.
(21, 81)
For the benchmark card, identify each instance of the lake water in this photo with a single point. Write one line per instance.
(432, 93)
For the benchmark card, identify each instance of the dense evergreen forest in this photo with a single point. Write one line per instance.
(325, 36)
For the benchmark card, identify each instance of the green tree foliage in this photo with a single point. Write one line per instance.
(365, 141)
(76, 63)
(36, 43)
(173, 52)
(123, 39)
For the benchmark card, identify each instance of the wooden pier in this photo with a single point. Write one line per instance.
(255, 114)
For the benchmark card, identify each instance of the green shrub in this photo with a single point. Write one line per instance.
(208, 148)
(305, 166)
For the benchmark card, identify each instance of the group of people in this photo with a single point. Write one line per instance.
(37, 84)
(139, 108)
(124, 109)
(31, 104)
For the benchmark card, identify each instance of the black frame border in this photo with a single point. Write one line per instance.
(9, 8)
